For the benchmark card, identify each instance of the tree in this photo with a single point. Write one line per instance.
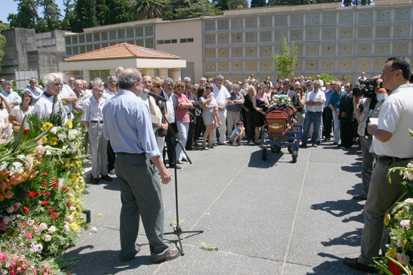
(181, 9)
(26, 16)
(146, 9)
(120, 11)
(69, 15)
(287, 61)
(230, 4)
(258, 3)
(2, 41)
(84, 15)
(50, 20)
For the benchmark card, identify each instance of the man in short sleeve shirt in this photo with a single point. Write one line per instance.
(393, 147)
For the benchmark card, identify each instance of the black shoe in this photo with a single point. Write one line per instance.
(175, 166)
(127, 258)
(360, 197)
(315, 145)
(106, 178)
(303, 146)
(167, 255)
(354, 264)
(94, 181)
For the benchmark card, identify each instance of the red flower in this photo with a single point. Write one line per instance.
(44, 203)
(45, 174)
(26, 131)
(45, 194)
(26, 210)
(53, 214)
(33, 194)
(55, 185)
(28, 235)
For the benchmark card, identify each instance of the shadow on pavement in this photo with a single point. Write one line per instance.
(352, 238)
(338, 208)
(333, 267)
(102, 262)
(256, 160)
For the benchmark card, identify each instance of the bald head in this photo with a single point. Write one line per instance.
(130, 79)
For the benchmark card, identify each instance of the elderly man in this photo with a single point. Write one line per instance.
(128, 126)
(49, 103)
(393, 147)
(221, 95)
(11, 97)
(34, 90)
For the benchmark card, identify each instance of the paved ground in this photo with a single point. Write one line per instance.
(269, 217)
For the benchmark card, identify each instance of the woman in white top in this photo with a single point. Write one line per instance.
(210, 115)
(18, 113)
(6, 130)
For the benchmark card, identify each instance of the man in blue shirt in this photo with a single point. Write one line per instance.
(128, 126)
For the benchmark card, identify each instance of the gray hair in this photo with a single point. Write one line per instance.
(113, 78)
(128, 77)
(53, 78)
(168, 80)
(97, 83)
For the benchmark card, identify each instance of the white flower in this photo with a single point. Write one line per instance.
(52, 229)
(16, 167)
(72, 134)
(42, 227)
(30, 222)
(61, 183)
(61, 136)
(72, 208)
(54, 130)
(403, 259)
(66, 227)
(47, 238)
(6, 220)
(10, 209)
(409, 200)
(408, 175)
(36, 247)
(405, 224)
(410, 165)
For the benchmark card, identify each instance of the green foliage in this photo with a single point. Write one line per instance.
(327, 78)
(26, 16)
(50, 20)
(230, 4)
(258, 3)
(2, 40)
(146, 9)
(286, 62)
(181, 9)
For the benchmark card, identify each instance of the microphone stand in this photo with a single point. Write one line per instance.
(177, 230)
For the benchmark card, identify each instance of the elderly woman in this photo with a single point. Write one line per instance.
(93, 120)
(18, 113)
(182, 118)
(49, 103)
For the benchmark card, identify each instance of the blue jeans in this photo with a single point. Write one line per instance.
(315, 119)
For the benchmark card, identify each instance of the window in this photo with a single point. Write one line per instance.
(210, 39)
(382, 48)
(140, 42)
(251, 22)
(75, 50)
(363, 49)
(400, 48)
(211, 53)
(223, 24)
(328, 34)
(210, 25)
(96, 36)
(296, 20)
(266, 21)
(89, 47)
(236, 37)
(104, 36)
(236, 52)
(311, 65)
(68, 51)
(281, 20)
(121, 33)
(82, 49)
(312, 49)
(149, 42)
(130, 32)
(345, 49)
(364, 32)
(139, 31)
(103, 74)
(96, 46)
(296, 34)
(383, 16)
(345, 33)
(328, 49)
(250, 37)
(223, 38)
(149, 30)
(210, 66)
(329, 18)
(251, 66)
(223, 66)
(112, 35)
(251, 52)
(312, 19)
(223, 52)
(364, 18)
(82, 38)
(88, 37)
(345, 18)
(280, 34)
(266, 66)
(312, 33)
(401, 15)
(328, 65)
(236, 24)
(68, 40)
(74, 39)
(266, 51)
(266, 36)
(236, 66)
(401, 31)
(383, 32)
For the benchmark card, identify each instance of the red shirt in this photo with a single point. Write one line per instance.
(182, 115)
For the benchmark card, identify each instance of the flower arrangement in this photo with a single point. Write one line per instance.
(280, 101)
(41, 185)
(399, 221)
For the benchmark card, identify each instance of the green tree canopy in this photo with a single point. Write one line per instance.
(258, 3)
(2, 40)
(230, 4)
(146, 9)
(51, 13)
(26, 16)
(181, 9)
(286, 62)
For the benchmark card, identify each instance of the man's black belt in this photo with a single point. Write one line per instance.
(96, 121)
(393, 159)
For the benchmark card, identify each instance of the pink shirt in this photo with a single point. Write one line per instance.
(182, 115)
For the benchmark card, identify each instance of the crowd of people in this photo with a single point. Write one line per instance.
(131, 119)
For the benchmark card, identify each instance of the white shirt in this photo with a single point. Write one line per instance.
(109, 94)
(44, 107)
(396, 117)
(6, 129)
(318, 96)
(83, 100)
(12, 98)
(19, 114)
(221, 95)
(170, 109)
(67, 92)
(93, 110)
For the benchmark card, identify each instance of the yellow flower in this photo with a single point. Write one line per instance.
(53, 141)
(74, 227)
(47, 126)
(392, 252)
(387, 219)
(69, 124)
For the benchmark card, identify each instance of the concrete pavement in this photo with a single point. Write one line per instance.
(269, 217)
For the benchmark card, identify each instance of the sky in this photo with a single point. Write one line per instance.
(10, 6)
